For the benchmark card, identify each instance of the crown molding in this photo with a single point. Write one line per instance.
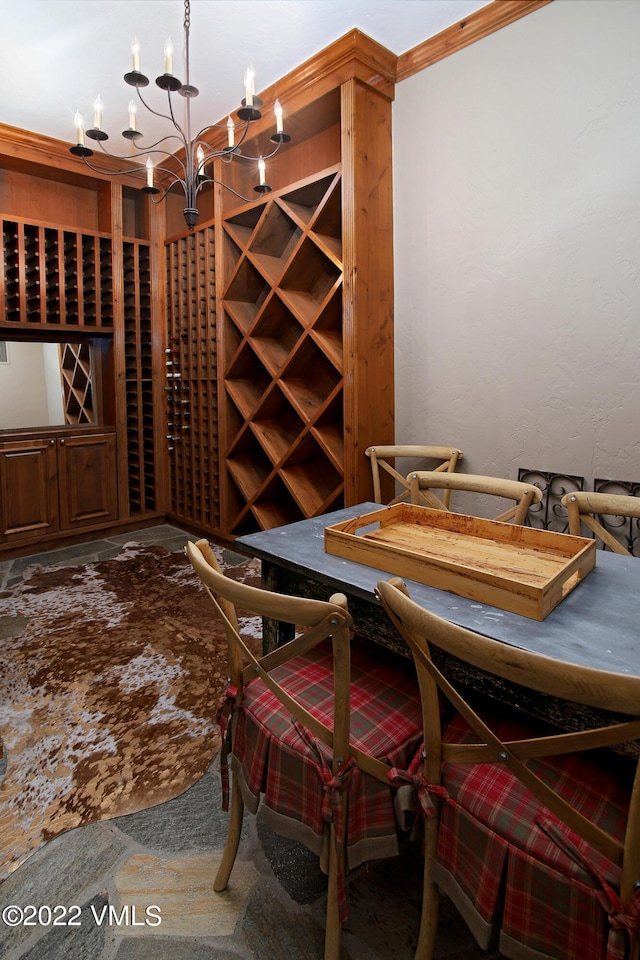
(477, 25)
(22, 146)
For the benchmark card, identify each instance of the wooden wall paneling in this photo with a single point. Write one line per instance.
(315, 145)
(368, 281)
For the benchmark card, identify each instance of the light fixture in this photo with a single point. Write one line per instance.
(191, 154)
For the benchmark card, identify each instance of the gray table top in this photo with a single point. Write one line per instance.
(597, 624)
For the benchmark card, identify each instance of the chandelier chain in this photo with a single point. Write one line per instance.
(187, 27)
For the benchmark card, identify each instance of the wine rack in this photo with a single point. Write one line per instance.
(139, 376)
(283, 446)
(55, 276)
(75, 366)
(191, 388)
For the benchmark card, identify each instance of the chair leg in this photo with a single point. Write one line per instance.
(333, 930)
(430, 896)
(236, 815)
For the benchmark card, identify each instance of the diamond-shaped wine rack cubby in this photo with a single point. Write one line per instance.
(283, 416)
(75, 367)
(191, 387)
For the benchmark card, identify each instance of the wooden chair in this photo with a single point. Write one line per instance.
(421, 483)
(581, 506)
(526, 825)
(380, 455)
(314, 728)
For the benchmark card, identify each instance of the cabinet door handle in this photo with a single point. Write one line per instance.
(51, 443)
(62, 443)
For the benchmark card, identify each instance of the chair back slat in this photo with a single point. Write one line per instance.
(584, 507)
(613, 693)
(380, 456)
(323, 620)
(423, 482)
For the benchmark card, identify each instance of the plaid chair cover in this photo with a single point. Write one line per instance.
(275, 757)
(555, 897)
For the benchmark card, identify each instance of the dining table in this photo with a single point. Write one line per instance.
(597, 624)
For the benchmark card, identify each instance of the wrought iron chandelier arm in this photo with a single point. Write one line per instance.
(163, 116)
(265, 156)
(110, 173)
(221, 183)
(147, 151)
(228, 150)
(165, 153)
(175, 178)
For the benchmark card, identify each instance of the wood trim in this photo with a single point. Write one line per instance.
(22, 146)
(480, 24)
(353, 56)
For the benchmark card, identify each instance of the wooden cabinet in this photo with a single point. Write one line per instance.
(28, 489)
(86, 280)
(53, 482)
(87, 480)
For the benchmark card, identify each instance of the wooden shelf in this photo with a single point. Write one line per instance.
(283, 316)
(138, 359)
(275, 334)
(56, 277)
(191, 363)
(75, 366)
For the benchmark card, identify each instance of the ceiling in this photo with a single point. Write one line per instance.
(57, 56)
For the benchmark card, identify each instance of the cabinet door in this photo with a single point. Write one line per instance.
(28, 489)
(87, 479)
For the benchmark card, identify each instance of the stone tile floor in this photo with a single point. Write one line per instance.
(140, 887)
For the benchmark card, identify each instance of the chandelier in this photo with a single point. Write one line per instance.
(189, 155)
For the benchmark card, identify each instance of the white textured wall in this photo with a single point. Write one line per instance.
(517, 246)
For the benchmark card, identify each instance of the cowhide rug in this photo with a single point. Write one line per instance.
(110, 678)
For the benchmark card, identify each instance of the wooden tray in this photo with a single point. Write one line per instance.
(520, 569)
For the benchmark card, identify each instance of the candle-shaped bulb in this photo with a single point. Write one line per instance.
(135, 53)
(149, 166)
(97, 113)
(200, 158)
(132, 115)
(230, 132)
(277, 109)
(168, 56)
(261, 169)
(249, 85)
(79, 125)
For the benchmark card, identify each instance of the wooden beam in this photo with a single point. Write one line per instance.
(480, 24)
